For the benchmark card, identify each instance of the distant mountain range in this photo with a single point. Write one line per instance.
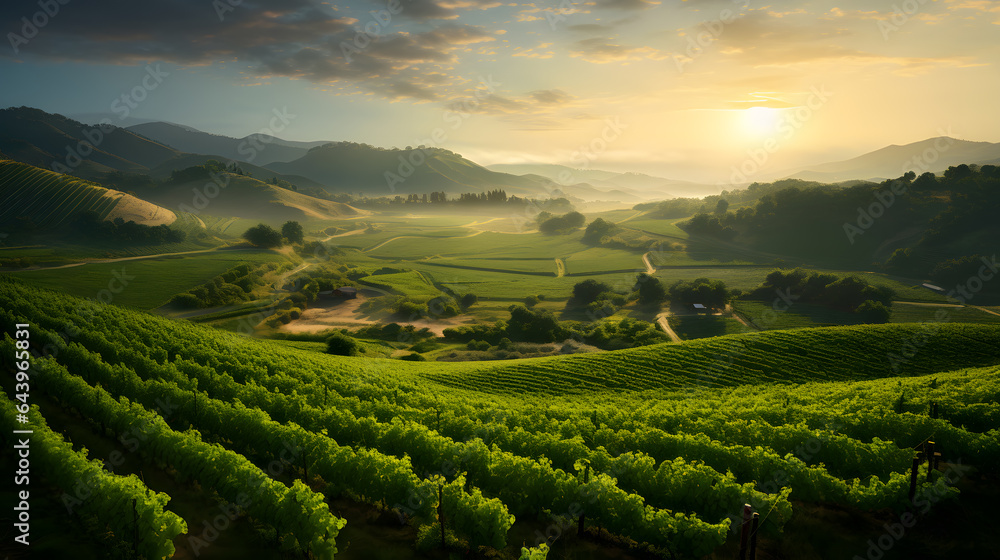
(933, 155)
(258, 149)
(55, 142)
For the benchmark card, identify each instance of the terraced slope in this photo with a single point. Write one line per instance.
(51, 199)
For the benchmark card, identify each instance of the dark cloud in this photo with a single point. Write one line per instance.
(305, 39)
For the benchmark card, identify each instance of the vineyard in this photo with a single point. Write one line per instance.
(657, 447)
(49, 199)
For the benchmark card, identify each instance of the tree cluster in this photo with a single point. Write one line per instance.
(90, 223)
(548, 223)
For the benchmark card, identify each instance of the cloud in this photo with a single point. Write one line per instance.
(625, 4)
(599, 50)
(551, 96)
(301, 39)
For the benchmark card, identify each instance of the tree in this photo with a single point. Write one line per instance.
(651, 290)
(721, 207)
(263, 235)
(588, 290)
(597, 230)
(341, 345)
(292, 231)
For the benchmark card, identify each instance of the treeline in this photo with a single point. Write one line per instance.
(89, 223)
(952, 214)
(541, 326)
(493, 198)
(849, 293)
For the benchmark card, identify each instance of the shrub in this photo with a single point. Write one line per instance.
(341, 345)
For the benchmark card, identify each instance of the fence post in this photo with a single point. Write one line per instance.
(745, 530)
(753, 536)
(441, 513)
(930, 459)
(913, 478)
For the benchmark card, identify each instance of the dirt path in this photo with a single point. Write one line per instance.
(345, 234)
(387, 241)
(662, 320)
(731, 311)
(985, 310)
(345, 314)
(560, 268)
(636, 215)
(470, 224)
(923, 304)
(649, 266)
(120, 259)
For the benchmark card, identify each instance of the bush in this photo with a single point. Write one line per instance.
(468, 300)
(186, 301)
(873, 312)
(341, 345)
(531, 301)
(413, 357)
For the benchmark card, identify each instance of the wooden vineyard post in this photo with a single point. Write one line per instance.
(753, 536)
(441, 513)
(745, 531)
(930, 459)
(913, 478)
(135, 530)
(305, 465)
(583, 516)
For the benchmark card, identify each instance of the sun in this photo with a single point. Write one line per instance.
(760, 121)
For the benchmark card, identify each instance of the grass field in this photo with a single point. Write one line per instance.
(411, 284)
(150, 282)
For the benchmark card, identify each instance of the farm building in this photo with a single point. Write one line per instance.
(347, 292)
(699, 308)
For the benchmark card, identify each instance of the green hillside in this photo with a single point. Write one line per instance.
(44, 139)
(346, 166)
(247, 197)
(49, 199)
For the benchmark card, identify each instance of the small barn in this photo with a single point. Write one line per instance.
(346, 292)
(699, 308)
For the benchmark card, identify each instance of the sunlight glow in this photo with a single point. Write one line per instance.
(760, 121)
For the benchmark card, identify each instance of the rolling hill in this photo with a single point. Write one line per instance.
(44, 139)
(361, 168)
(932, 154)
(247, 197)
(49, 199)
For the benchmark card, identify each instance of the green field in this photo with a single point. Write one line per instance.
(151, 282)
(411, 284)
(689, 327)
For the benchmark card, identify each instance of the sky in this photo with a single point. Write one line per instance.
(682, 89)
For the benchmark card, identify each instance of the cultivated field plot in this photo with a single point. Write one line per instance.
(662, 444)
(689, 327)
(411, 284)
(660, 227)
(601, 260)
(763, 315)
(903, 313)
(150, 282)
(540, 265)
